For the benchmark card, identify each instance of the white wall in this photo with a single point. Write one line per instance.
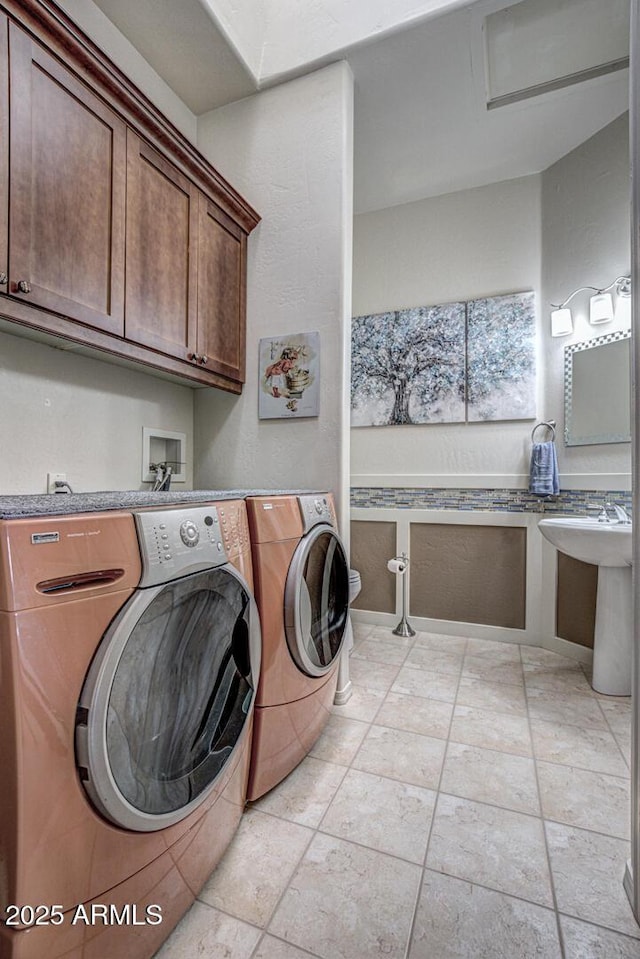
(586, 242)
(66, 413)
(288, 151)
(459, 246)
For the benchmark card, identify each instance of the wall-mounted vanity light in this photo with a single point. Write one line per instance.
(601, 309)
(561, 322)
(600, 306)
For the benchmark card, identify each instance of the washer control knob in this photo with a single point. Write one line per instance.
(319, 506)
(189, 533)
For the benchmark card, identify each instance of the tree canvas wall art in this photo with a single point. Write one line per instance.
(452, 363)
(501, 369)
(408, 366)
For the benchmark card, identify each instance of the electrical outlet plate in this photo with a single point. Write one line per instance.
(53, 478)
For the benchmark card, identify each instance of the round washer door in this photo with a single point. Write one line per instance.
(316, 604)
(167, 698)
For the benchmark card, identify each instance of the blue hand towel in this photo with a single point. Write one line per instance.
(543, 477)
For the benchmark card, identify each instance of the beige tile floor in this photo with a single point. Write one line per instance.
(470, 800)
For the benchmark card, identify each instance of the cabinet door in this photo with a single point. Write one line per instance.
(4, 152)
(162, 223)
(67, 191)
(221, 292)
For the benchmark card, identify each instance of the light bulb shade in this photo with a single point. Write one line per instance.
(601, 308)
(561, 322)
(623, 311)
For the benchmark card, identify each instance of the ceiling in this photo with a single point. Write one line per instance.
(422, 126)
(184, 45)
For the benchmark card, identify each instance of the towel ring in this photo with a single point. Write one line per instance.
(550, 424)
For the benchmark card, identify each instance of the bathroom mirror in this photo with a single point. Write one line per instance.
(597, 390)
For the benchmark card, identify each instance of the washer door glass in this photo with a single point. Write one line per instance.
(167, 698)
(317, 601)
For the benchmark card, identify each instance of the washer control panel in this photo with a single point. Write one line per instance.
(175, 542)
(315, 508)
(189, 533)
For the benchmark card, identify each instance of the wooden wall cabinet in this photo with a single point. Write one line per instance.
(185, 268)
(67, 191)
(162, 221)
(114, 231)
(221, 291)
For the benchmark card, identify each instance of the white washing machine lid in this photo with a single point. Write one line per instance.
(316, 602)
(168, 698)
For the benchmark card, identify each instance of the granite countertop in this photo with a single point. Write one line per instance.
(60, 504)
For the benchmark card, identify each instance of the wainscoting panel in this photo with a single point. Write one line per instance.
(482, 573)
(472, 574)
(372, 544)
(576, 600)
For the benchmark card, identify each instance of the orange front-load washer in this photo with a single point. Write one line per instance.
(302, 590)
(129, 659)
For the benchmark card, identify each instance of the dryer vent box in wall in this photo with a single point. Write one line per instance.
(164, 446)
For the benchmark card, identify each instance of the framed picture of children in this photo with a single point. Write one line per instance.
(289, 374)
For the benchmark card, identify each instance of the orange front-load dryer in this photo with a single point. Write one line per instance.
(301, 580)
(129, 659)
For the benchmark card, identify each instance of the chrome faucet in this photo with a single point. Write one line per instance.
(621, 514)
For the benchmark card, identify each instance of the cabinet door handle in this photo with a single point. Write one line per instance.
(23, 286)
(204, 359)
(194, 357)
(4, 279)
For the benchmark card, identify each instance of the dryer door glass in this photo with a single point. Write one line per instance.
(169, 696)
(317, 601)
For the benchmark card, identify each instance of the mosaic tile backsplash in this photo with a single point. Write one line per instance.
(579, 502)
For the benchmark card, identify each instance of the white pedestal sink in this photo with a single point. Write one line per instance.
(608, 546)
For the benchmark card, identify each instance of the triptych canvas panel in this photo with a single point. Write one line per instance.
(452, 363)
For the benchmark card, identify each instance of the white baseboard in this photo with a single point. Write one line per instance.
(499, 634)
(571, 650)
